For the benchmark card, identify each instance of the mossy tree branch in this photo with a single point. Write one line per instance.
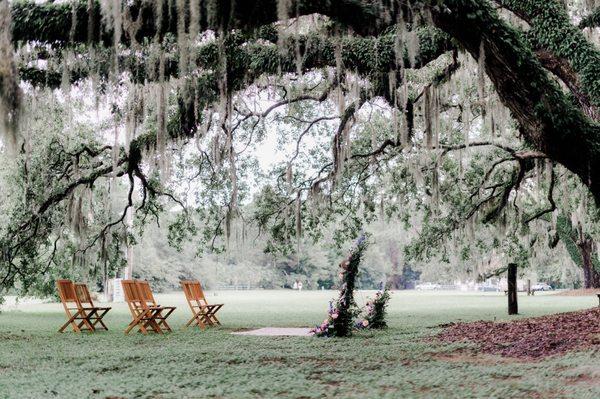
(549, 121)
(53, 21)
(552, 30)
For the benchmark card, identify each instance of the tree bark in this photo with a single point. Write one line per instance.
(513, 307)
(591, 276)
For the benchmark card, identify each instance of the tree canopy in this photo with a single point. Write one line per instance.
(440, 114)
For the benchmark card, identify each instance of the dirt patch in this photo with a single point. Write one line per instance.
(579, 292)
(8, 336)
(530, 338)
(273, 360)
(319, 361)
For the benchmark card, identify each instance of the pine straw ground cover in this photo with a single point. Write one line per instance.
(531, 338)
(401, 361)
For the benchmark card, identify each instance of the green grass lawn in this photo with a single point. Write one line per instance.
(38, 362)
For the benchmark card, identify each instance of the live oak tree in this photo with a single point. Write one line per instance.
(176, 72)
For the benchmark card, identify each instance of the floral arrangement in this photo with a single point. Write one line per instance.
(341, 315)
(375, 311)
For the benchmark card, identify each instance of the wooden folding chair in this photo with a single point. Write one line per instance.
(165, 311)
(202, 312)
(81, 318)
(144, 315)
(96, 313)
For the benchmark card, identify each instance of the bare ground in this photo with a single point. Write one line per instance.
(530, 338)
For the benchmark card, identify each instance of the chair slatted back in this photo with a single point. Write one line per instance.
(83, 295)
(133, 297)
(146, 292)
(67, 294)
(194, 293)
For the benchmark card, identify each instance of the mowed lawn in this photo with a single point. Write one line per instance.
(400, 362)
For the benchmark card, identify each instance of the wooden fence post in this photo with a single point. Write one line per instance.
(513, 307)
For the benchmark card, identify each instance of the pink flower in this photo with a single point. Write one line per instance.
(365, 323)
(334, 316)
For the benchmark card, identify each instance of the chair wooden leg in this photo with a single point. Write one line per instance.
(99, 321)
(197, 318)
(154, 325)
(162, 319)
(190, 321)
(72, 322)
(99, 317)
(163, 325)
(87, 321)
(136, 321)
(206, 319)
(199, 322)
(151, 321)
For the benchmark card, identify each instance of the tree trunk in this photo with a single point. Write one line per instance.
(395, 279)
(513, 307)
(591, 276)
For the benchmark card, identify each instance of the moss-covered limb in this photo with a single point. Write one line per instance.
(52, 21)
(549, 120)
(592, 20)
(580, 247)
(563, 70)
(372, 57)
(568, 236)
(552, 30)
